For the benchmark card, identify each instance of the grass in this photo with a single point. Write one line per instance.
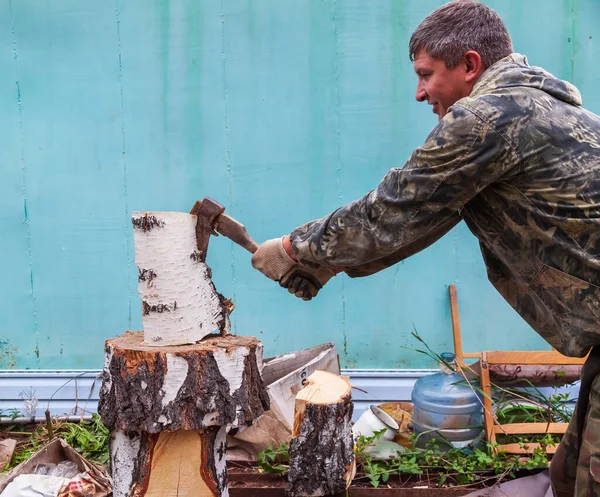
(431, 466)
(89, 438)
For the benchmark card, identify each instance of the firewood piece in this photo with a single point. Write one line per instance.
(187, 463)
(321, 451)
(215, 382)
(180, 304)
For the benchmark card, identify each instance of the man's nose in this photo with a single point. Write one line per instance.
(421, 94)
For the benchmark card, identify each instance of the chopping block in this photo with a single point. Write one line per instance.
(169, 410)
(171, 393)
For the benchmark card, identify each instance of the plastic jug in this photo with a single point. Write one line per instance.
(447, 409)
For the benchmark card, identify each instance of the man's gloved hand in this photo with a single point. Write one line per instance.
(272, 260)
(275, 263)
(305, 282)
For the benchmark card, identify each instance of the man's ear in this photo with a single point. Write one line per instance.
(474, 66)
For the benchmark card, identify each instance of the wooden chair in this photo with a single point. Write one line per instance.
(485, 361)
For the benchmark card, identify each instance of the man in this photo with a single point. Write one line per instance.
(518, 159)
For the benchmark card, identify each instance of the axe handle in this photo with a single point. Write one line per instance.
(250, 245)
(236, 232)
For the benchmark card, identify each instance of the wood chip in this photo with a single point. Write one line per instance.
(7, 447)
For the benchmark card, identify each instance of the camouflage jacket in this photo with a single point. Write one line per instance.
(519, 161)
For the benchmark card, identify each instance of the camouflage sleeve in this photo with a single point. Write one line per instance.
(413, 206)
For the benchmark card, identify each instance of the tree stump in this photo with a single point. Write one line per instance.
(179, 301)
(169, 410)
(322, 448)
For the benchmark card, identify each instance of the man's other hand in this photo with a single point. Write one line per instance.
(305, 282)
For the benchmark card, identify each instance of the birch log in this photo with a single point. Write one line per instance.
(179, 301)
(169, 409)
(322, 448)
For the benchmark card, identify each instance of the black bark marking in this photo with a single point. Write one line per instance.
(198, 256)
(147, 222)
(144, 456)
(160, 308)
(252, 394)
(220, 479)
(146, 275)
(222, 450)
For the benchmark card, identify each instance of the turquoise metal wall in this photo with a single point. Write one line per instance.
(281, 110)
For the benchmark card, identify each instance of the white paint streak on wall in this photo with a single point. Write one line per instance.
(177, 370)
(231, 366)
(124, 453)
(180, 302)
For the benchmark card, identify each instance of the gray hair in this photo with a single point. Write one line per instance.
(457, 27)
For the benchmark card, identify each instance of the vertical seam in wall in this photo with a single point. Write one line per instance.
(24, 184)
(573, 41)
(227, 151)
(456, 275)
(456, 256)
(124, 162)
(338, 154)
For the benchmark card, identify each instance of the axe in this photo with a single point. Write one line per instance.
(212, 220)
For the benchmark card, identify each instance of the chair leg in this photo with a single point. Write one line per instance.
(456, 325)
(486, 387)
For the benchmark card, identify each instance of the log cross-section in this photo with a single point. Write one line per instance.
(321, 450)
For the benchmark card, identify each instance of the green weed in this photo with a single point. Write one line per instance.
(89, 438)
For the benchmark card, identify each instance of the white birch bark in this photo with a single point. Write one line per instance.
(180, 304)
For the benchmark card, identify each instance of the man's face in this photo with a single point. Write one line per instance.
(439, 86)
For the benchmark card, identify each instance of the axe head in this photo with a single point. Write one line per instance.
(207, 211)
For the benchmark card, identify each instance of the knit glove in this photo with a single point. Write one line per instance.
(272, 260)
